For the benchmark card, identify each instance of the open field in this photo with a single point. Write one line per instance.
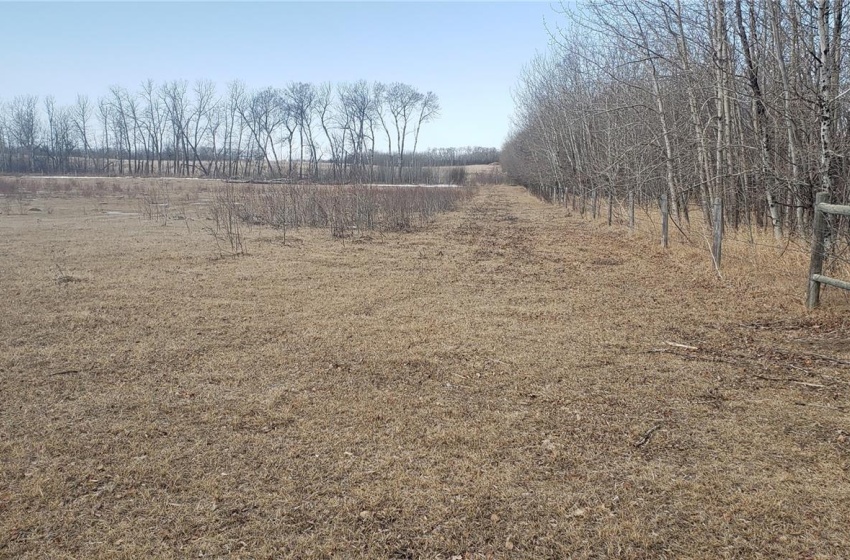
(507, 382)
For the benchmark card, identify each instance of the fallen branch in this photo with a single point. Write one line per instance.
(646, 437)
(804, 370)
(807, 384)
(836, 408)
(677, 345)
(797, 381)
(836, 380)
(65, 372)
(741, 359)
(827, 358)
(696, 357)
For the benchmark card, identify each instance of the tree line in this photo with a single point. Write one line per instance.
(449, 157)
(741, 99)
(360, 131)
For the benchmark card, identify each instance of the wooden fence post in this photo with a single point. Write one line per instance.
(664, 221)
(610, 205)
(816, 265)
(631, 212)
(717, 245)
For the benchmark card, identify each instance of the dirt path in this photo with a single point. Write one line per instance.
(498, 385)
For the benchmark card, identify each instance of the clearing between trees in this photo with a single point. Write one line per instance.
(508, 381)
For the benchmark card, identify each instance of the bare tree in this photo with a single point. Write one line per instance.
(81, 115)
(324, 108)
(234, 126)
(105, 116)
(264, 115)
(176, 104)
(357, 106)
(301, 99)
(25, 127)
(402, 102)
(429, 109)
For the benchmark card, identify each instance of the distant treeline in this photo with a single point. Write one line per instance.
(444, 157)
(349, 132)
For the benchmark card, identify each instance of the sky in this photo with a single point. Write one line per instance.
(469, 54)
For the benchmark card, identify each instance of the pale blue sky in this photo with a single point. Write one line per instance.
(470, 54)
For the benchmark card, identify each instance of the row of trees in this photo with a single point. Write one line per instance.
(301, 131)
(448, 157)
(739, 99)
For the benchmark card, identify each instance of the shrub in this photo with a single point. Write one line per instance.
(457, 176)
(344, 210)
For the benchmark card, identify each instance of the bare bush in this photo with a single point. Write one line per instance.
(154, 202)
(59, 260)
(13, 193)
(493, 176)
(9, 186)
(457, 175)
(227, 214)
(344, 210)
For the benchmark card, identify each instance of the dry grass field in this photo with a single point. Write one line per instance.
(508, 382)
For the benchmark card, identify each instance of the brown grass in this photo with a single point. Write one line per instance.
(484, 387)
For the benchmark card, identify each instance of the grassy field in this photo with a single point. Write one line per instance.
(507, 382)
